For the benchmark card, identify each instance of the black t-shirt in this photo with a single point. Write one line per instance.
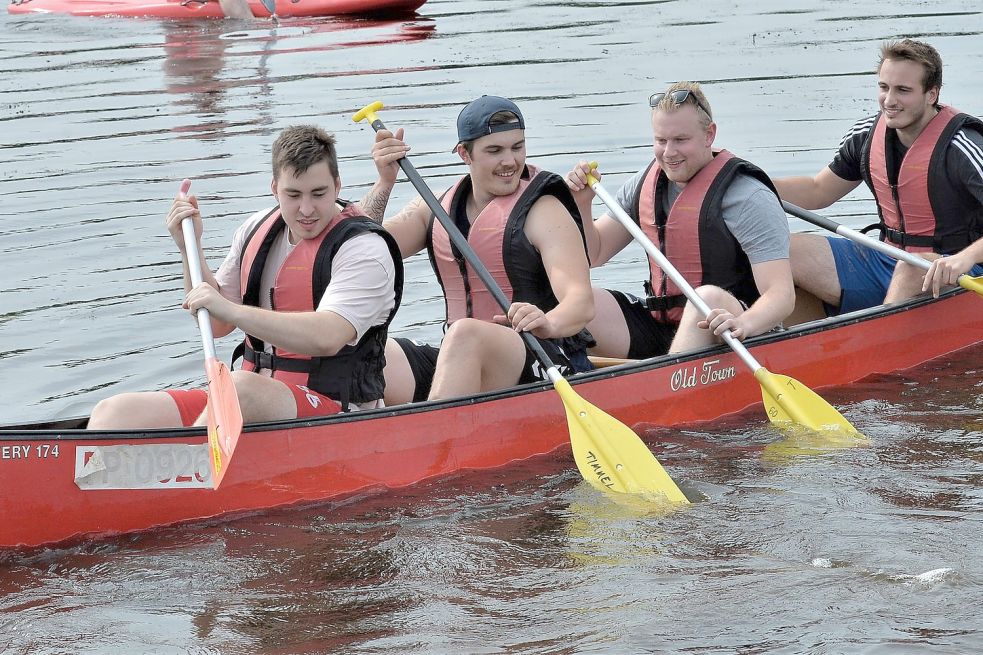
(963, 162)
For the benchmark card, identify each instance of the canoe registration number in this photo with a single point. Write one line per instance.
(143, 466)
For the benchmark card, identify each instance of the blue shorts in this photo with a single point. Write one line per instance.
(864, 275)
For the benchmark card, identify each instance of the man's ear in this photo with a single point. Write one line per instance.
(463, 154)
(711, 133)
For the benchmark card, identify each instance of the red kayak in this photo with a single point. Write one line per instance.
(209, 8)
(59, 482)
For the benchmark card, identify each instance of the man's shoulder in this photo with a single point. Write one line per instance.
(860, 129)
(967, 148)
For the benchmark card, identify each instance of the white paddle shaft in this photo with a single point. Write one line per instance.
(671, 271)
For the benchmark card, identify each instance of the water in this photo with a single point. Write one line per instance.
(871, 550)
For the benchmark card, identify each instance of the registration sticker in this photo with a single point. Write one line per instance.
(143, 466)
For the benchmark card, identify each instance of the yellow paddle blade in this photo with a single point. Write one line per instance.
(789, 401)
(224, 418)
(609, 454)
(971, 283)
(802, 442)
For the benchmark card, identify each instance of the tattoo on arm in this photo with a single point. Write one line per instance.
(374, 204)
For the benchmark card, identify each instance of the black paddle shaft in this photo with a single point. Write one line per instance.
(465, 248)
(810, 217)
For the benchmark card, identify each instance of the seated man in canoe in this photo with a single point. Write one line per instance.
(716, 218)
(524, 225)
(924, 164)
(312, 282)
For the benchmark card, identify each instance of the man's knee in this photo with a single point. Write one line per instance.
(716, 297)
(467, 333)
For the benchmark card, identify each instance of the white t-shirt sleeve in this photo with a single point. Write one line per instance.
(362, 287)
(228, 274)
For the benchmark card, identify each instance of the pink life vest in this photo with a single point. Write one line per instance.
(354, 374)
(497, 236)
(694, 236)
(907, 209)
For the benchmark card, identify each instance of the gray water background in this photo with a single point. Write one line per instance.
(870, 550)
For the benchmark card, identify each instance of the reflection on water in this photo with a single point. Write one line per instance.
(871, 549)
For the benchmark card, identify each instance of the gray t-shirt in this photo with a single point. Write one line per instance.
(750, 211)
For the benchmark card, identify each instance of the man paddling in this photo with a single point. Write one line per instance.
(312, 282)
(524, 225)
(718, 221)
(923, 161)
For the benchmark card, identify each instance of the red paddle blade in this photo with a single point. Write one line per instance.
(224, 418)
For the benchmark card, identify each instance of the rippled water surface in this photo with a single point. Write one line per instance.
(868, 550)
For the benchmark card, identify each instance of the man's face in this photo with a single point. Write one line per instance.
(496, 162)
(681, 143)
(901, 97)
(307, 200)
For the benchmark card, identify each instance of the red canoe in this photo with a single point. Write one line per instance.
(59, 482)
(209, 8)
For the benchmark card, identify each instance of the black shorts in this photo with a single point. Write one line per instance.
(422, 359)
(648, 337)
(566, 363)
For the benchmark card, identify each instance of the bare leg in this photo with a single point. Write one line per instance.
(807, 308)
(477, 356)
(400, 384)
(608, 327)
(691, 337)
(260, 399)
(130, 411)
(907, 280)
(813, 267)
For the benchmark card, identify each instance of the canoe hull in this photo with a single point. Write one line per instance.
(178, 9)
(106, 483)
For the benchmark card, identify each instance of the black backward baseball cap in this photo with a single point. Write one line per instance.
(472, 122)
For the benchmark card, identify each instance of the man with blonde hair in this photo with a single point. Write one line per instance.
(923, 161)
(715, 217)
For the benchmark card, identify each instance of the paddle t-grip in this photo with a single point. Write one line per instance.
(368, 111)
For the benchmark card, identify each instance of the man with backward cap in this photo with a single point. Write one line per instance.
(525, 226)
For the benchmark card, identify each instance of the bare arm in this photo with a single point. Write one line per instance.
(946, 270)
(774, 282)
(553, 233)
(187, 207)
(605, 237)
(317, 334)
(816, 192)
(387, 149)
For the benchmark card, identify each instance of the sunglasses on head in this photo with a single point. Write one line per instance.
(678, 97)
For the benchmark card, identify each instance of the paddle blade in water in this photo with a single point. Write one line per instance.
(609, 454)
(224, 418)
(971, 283)
(789, 401)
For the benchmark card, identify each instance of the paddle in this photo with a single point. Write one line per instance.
(608, 453)
(785, 399)
(224, 414)
(271, 7)
(967, 282)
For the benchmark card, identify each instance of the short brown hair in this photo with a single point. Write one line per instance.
(301, 146)
(703, 110)
(918, 52)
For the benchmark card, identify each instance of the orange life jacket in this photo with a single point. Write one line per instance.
(694, 237)
(498, 237)
(924, 211)
(354, 374)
